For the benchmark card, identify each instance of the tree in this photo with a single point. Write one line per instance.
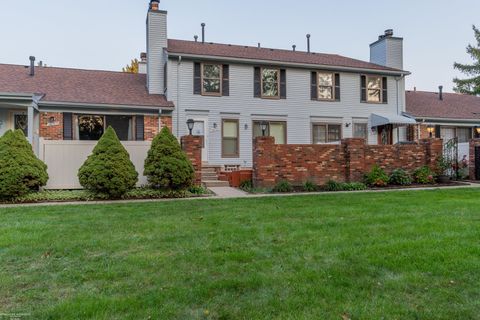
(20, 169)
(132, 68)
(108, 171)
(167, 166)
(470, 85)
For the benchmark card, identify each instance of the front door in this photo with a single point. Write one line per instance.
(20, 121)
(200, 129)
(385, 135)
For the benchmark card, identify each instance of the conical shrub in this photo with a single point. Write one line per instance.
(167, 166)
(20, 170)
(108, 171)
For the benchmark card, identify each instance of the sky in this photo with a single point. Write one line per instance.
(107, 34)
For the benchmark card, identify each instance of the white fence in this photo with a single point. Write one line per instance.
(463, 150)
(64, 158)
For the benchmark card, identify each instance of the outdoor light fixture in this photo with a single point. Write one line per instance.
(430, 130)
(246, 126)
(264, 126)
(190, 124)
(477, 131)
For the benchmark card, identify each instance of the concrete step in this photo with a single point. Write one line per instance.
(208, 171)
(215, 183)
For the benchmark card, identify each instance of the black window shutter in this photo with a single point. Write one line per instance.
(337, 87)
(197, 78)
(139, 128)
(283, 84)
(226, 80)
(363, 88)
(257, 83)
(313, 86)
(385, 90)
(438, 133)
(67, 126)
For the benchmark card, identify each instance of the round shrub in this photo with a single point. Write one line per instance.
(20, 170)
(167, 166)
(108, 171)
(283, 187)
(376, 177)
(424, 175)
(400, 177)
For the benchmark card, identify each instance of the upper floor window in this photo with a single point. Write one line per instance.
(325, 86)
(270, 83)
(211, 79)
(374, 89)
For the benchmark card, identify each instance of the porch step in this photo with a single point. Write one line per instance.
(215, 183)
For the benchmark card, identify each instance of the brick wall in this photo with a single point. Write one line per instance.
(166, 122)
(150, 127)
(192, 146)
(347, 161)
(51, 130)
(471, 162)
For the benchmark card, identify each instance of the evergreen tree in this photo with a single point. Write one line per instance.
(108, 171)
(470, 85)
(20, 169)
(167, 166)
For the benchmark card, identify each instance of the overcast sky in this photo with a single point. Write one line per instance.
(107, 34)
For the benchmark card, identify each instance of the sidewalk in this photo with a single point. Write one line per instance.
(232, 193)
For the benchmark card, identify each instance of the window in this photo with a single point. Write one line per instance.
(21, 123)
(464, 134)
(92, 127)
(211, 79)
(360, 130)
(230, 142)
(374, 89)
(276, 129)
(270, 83)
(326, 133)
(326, 86)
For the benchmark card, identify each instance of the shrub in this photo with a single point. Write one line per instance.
(309, 186)
(400, 177)
(197, 190)
(20, 170)
(283, 187)
(343, 186)
(108, 171)
(167, 166)
(246, 185)
(376, 177)
(424, 175)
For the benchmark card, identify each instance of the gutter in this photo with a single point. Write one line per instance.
(447, 120)
(94, 105)
(292, 64)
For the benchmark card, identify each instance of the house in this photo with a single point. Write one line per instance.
(232, 93)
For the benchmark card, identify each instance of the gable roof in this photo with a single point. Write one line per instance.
(423, 104)
(206, 49)
(80, 86)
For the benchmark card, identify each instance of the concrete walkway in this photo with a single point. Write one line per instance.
(232, 193)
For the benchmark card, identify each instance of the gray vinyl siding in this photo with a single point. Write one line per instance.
(156, 57)
(298, 110)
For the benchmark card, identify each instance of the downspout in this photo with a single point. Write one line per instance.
(397, 79)
(178, 95)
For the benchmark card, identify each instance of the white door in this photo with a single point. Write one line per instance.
(200, 129)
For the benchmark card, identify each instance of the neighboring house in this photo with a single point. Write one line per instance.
(445, 115)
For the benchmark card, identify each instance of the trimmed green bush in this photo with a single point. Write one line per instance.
(309, 186)
(20, 170)
(400, 177)
(424, 175)
(108, 171)
(283, 187)
(167, 166)
(376, 177)
(344, 186)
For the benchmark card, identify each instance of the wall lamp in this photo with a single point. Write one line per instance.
(190, 124)
(264, 127)
(430, 130)
(477, 131)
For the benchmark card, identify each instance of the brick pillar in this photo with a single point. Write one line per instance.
(354, 149)
(166, 121)
(471, 161)
(192, 146)
(51, 125)
(150, 124)
(264, 172)
(433, 152)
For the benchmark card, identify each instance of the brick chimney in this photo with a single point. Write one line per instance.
(387, 50)
(156, 47)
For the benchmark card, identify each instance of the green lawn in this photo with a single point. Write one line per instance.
(402, 255)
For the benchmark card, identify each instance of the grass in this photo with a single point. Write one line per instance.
(395, 255)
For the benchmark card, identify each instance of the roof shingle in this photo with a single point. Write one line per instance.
(453, 105)
(80, 86)
(254, 53)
